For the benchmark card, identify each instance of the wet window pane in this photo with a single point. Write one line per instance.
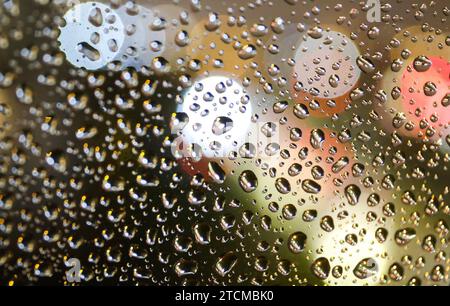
(208, 142)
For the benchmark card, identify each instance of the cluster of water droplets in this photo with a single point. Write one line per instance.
(206, 142)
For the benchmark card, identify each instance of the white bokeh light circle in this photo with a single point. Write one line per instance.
(93, 35)
(208, 102)
(319, 61)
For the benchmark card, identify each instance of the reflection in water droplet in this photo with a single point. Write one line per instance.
(366, 268)
(296, 242)
(248, 181)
